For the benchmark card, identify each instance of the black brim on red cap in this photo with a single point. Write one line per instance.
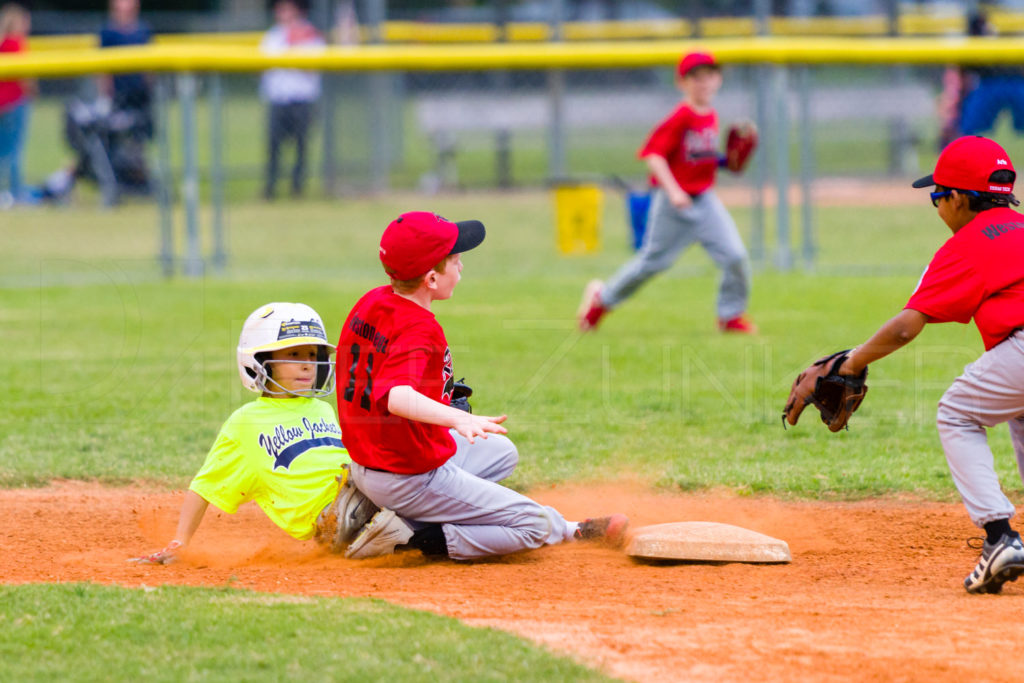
(471, 234)
(927, 181)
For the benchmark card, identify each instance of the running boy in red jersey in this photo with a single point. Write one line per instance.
(682, 155)
(412, 452)
(978, 273)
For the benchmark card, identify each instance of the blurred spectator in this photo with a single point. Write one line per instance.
(951, 101)
(130, 119)
(974, 96)
(290, 93)
(128, 92)
(15, 25)
(346, 25)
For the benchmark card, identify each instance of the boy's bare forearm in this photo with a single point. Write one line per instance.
(404, 401)
(896, 333)
(192, 511)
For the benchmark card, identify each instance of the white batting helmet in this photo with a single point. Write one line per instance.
(281, 325)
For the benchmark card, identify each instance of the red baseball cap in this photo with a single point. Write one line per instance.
(415, 242)
(692, 60)
(967, 163)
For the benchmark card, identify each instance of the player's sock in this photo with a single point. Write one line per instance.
(995, 530)
(572, 526)
(429, 540)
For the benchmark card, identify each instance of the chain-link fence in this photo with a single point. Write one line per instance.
(433, 130)
(220, 138)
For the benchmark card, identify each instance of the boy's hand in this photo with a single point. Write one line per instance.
(679, 199)
(472, 426)
(165, 556)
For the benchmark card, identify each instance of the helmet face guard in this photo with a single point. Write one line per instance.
(323, 384)
(279, 326)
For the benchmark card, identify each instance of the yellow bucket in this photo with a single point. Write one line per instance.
(578, 217)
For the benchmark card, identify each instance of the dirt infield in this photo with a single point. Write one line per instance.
(873, 592)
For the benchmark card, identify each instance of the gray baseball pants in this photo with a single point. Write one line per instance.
(990, 392)
(479, 517)
(669, 232)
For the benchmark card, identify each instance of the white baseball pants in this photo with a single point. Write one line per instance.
(990, 392)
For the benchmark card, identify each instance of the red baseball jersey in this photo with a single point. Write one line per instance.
(389, 341)
(689, 142)
(978, 273)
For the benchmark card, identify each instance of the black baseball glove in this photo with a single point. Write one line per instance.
(460, 396)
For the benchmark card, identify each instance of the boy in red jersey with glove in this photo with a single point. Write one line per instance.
(682, 156)
(434, 465)
(978, 273)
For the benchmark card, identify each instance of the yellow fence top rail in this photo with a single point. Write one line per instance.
(604, 54)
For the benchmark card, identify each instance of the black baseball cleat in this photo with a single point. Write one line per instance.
(1000, 562)
(610, 530)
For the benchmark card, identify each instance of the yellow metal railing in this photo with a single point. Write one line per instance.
(603, 54)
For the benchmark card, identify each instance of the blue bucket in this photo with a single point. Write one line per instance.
(639, 204)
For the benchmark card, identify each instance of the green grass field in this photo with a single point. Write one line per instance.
(123, 376)
(91, 633)
(117, 375)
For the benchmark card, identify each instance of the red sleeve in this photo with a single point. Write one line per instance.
(665, 138)
(405, 364)
(950, 289)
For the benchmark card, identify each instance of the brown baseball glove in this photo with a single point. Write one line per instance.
(835, 396)
(740, 143)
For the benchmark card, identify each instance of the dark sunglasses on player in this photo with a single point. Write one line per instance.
(936, 196)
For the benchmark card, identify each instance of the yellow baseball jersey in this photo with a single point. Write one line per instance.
(282, 453)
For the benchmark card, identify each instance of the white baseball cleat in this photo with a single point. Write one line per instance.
(379, 536)
(1000, 562)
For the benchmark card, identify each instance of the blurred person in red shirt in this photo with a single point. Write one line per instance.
(15, 24)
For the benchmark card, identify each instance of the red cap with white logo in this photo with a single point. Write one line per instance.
(968, 163)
